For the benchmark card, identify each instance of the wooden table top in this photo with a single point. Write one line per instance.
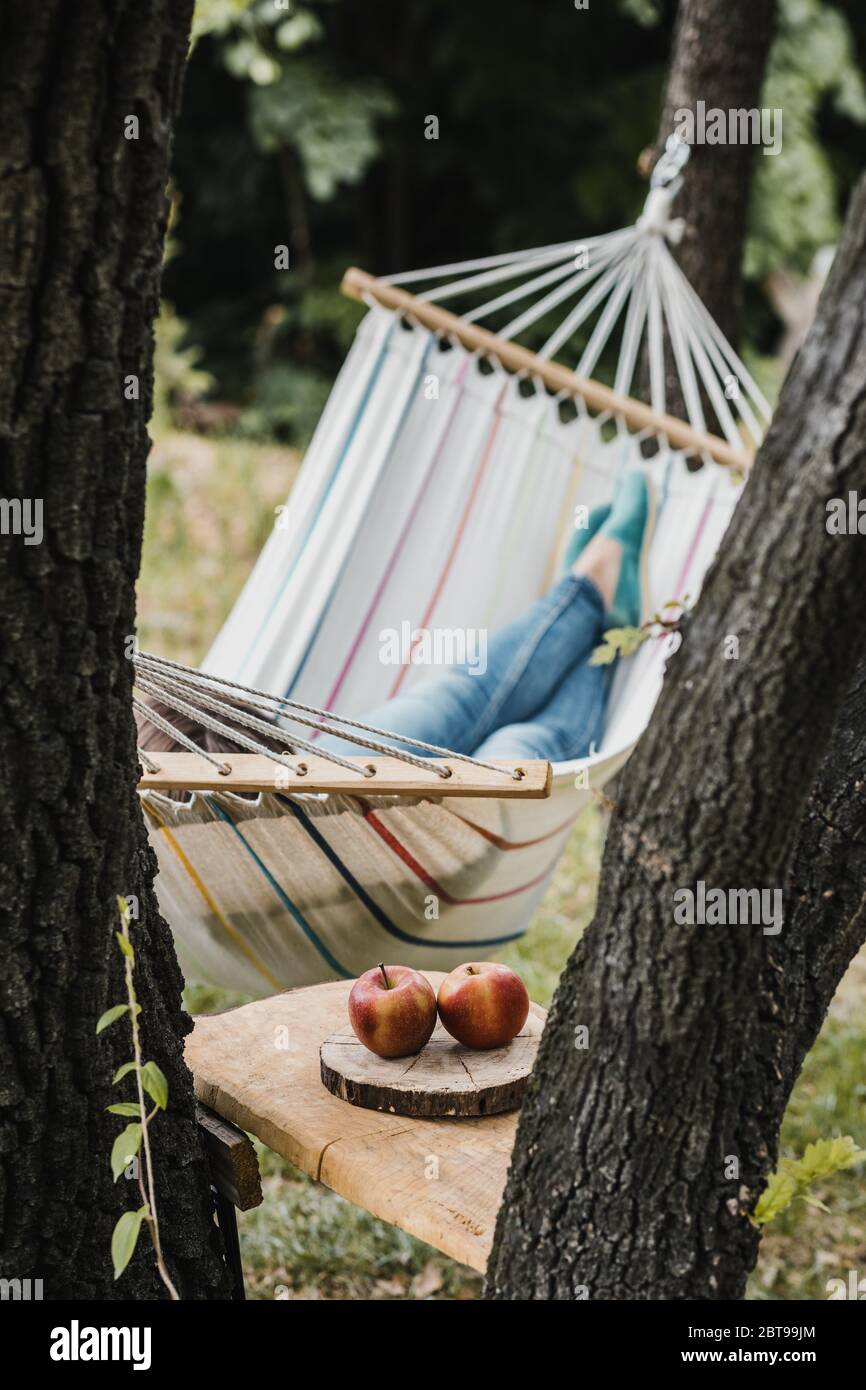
(441, 1180)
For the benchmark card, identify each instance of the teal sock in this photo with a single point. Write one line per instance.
(581, 539)
(628, 524)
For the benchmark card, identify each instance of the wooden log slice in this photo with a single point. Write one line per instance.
(444, 1079)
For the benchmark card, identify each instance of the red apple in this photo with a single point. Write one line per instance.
(483, 1004)
(392, 1010)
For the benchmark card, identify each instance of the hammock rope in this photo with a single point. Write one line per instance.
(154, 676)
(145, 758)
(630, 273)
(207, 721)
(169, 729)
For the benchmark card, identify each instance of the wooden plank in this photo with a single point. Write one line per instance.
(440, 1180)
(234, 1166)
(358, 284)
(445, 1078)
(252, 772)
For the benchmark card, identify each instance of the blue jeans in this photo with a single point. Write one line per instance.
(538, 697)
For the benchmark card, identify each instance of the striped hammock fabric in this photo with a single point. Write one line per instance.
(439, 491)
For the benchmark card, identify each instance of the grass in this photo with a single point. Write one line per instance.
(210, 508)
(805, 1246)
(306, 1242)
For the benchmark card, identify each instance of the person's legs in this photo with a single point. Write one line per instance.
(569, 726)
(525, 663)
(572, 721)
(537, 667)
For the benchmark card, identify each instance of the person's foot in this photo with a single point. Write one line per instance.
(581, 539)
(630, 523)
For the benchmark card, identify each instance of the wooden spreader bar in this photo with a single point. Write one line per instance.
(358, 284)
(252, 772)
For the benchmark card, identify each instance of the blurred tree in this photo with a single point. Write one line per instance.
(719, 57)
(542, 115)
(798, 198)
(526, 146)
(87, 110)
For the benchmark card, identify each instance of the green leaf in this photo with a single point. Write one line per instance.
(124, 1148)
(603, 655)
(330, 122)
(813, 1202)
(111, 1016)
(645, 12)
(776, 1196)
(825, 1157)
(618, 641)
(795, 1176)
(300, 29)
(154, 1082)
(217, 16)
(125, 1107)
(125, 945)
(794, 206)
(122, 1072)
(124, 1238)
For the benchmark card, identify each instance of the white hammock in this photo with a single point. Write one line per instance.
(437, 492)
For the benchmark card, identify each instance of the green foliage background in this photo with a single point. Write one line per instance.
(304, 125)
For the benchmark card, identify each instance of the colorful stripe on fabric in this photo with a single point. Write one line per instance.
(565, 529)
(291, 908)
(211, 902)
(693, 547)
(507, 845)
(341, 457)
(425, 876)
(372, 907)
(336, 584)
(458, 537)
(459, 381)
(512, 537)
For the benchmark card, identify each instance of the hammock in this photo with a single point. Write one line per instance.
(437, 496)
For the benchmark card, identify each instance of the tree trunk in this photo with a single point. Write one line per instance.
(88, 93)
(719, 57)
(620, 1185)
(826, 892)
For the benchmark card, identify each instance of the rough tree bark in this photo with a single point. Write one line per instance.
(718, 56)
(826, 890)
(82, 219)
(617, 1188)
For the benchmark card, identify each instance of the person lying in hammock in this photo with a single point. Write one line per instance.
(539, 696)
